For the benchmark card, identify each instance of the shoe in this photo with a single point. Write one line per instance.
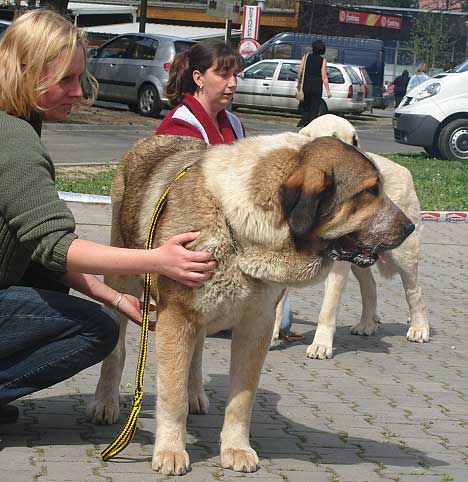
(8, 414)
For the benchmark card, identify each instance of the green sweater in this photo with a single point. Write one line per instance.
(35, 225)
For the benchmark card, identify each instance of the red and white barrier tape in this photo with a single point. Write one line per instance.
(449, 216)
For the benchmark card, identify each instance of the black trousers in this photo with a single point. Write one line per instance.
(310, 108)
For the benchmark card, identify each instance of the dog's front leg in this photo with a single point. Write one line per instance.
(198, 401)
(176, 336)
(250, 344)
(105, 408)
(322, 346)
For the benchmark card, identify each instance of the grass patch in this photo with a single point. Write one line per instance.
(85, 179)
(440, 185)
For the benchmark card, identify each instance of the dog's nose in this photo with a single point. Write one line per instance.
(407, 229)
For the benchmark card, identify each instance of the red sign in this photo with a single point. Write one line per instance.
(247, 47)
(456, 216)
(251, 22)
(370, 19)
(430, 215)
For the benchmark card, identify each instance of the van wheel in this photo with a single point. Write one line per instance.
(453, 140)
(148, 101)
(323, 109)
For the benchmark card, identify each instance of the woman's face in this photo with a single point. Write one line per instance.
(218, 87)
(60, 97)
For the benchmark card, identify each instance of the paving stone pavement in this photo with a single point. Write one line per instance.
(382, 409)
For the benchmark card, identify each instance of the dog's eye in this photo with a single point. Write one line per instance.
(373, 191)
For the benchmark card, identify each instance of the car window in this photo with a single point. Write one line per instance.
(334, 75)
(353, 75)
(115, 49)
(277, 51)
(288, 71)
(144, 48)
(261, 71)
(366, 76)
(181, 46)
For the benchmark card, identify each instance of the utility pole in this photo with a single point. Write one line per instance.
(143, 8)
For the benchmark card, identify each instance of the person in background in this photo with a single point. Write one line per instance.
(201, 84)
(315, 78)
(400, 84)
(48, 335)
(418, 77)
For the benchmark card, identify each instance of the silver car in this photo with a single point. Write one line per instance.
(271, 84)
(133, 69)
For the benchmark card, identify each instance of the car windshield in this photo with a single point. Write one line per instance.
(461, 68)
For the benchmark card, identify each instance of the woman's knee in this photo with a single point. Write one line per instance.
(106, 332)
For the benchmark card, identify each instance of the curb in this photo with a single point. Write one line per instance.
(60, 127)
(437, 216)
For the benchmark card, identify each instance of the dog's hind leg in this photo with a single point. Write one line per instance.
(198, 401)
(369, 319)
(176, 337)
(322, 346)
(407, 266)
(279, 316)
(105, 408)
(250, 343)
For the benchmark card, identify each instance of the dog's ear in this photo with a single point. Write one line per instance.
(300, 197)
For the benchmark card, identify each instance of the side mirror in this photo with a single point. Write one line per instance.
(92, 53)
(241, 75)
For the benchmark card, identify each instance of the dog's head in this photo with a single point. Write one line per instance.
(333, 194)
(331, 125)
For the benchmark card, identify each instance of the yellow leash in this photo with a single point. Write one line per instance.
(127, 433)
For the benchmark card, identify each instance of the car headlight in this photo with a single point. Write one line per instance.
(428, 91)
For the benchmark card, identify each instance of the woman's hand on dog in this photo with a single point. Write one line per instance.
(191, 268)
(131, 307)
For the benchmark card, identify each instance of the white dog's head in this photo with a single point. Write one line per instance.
(331, 125)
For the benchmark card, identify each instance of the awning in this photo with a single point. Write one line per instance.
(182, 31)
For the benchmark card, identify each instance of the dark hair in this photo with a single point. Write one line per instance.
(201, 56)
(318, 47)
(405, 73)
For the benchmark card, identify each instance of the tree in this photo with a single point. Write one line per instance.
(436, 39)
(60, 6)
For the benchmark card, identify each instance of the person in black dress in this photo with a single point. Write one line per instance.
(400, 85)
(315, 77)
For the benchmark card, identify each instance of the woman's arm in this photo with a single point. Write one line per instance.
(325, 77)
(90, 286)
(191, 268)
(301, 67)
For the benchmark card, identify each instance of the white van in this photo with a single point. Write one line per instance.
(434, 115)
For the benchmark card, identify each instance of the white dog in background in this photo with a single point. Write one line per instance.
(398, 185)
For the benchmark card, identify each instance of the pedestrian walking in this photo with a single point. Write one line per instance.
(314, 66)
(47, 334)
(400, 84)
(418, 77)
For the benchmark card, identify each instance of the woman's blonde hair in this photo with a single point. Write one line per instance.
(27, 47)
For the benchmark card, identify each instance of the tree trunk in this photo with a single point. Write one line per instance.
(60, 6)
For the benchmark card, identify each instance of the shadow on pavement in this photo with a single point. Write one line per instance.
(61, 421)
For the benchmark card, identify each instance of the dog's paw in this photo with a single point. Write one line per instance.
(102, 413)
(198, 403)
(418, 334)
(364, 329)
(240, 460)
(321, 352)
(171, 462)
